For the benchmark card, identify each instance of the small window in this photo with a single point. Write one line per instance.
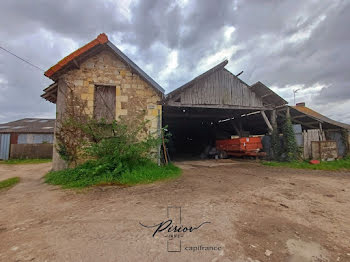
(104, 103)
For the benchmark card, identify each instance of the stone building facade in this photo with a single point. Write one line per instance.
(101, 64)
(132, 93)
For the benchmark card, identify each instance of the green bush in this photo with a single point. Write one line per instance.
(117, 153)
(99, 172)
(122, 144)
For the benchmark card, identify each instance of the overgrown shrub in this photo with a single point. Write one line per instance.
(345, 140)
(95, 172)
(70, 130)
(290, 146)
(121, 151)
(119, 142)
(276, 145)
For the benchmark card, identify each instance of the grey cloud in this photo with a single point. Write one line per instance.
(36, 31)
(75, 19)
(321, 58)
(154, 21)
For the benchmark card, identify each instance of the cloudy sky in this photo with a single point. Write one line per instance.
(287, 45)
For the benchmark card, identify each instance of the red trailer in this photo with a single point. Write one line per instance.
(243, 146)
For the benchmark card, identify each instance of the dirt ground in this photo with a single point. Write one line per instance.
(256, 213)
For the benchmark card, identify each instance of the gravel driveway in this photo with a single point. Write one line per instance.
(256, 213)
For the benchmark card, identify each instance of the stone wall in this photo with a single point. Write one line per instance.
(133, 95)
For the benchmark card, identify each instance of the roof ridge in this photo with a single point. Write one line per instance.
(101, 39)
(206, 73)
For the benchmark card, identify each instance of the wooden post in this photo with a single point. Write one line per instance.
(240, 124)
(267, 121)
(322, 137)
(164, 148)
(273, 119)
(236, 129)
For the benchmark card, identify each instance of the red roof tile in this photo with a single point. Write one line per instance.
(101, 39)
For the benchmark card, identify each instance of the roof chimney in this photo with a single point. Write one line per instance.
(300, 104)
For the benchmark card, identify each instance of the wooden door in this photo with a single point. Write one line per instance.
(104, 103)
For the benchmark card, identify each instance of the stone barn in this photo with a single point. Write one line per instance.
(99, 72)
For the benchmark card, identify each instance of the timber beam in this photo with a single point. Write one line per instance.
(266, 121)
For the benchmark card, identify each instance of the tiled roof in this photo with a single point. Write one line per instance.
(101, 39)
(50, 93)
(29, 125)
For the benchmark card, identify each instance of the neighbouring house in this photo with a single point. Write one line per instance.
(112, 85)
(27, 138)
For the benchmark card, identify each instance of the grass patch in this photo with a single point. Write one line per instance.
(9, 182)
(25, 161)
(324, 165)
(93, 173)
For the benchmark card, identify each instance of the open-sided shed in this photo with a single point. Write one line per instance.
(312, 121)
(216, 105)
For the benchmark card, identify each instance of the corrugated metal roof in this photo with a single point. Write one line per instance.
(313, 114)
(29, 125)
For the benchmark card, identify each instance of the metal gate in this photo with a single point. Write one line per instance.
(4, 146)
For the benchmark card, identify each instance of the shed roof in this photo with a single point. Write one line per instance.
(317, 116)
(29, 125)
(96, 45)
(267, 95)
(188, 84)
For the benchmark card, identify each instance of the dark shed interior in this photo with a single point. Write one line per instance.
(193, 129)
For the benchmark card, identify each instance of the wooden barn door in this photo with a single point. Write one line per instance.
(104, 103)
